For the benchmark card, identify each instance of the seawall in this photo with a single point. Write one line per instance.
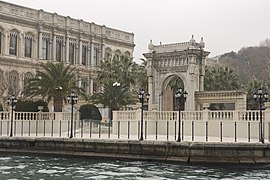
(184, 152)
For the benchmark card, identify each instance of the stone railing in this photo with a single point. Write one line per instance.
(195, 125)
(214, 126)
(37, 123)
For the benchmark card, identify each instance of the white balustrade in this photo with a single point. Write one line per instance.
(161, 125)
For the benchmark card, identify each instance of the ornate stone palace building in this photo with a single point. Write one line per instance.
(29, 37)
(185, 62)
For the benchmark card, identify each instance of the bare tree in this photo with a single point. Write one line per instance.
(3, 89)
(265, 43)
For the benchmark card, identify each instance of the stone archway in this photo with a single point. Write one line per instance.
(170, 85)
(185, 60)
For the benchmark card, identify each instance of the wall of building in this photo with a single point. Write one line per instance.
(29, 37)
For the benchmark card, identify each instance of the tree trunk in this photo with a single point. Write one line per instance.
(58, 104)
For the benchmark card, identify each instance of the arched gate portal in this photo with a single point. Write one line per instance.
(185, 61)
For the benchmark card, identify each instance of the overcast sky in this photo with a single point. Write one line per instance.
(226, 25)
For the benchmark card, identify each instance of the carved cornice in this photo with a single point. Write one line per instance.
(24, 15)
(164, 70)
(219, 95)
(14, 62)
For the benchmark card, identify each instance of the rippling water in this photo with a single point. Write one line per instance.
(45, 167)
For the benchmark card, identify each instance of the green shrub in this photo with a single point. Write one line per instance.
(31, 106)
(89, 111)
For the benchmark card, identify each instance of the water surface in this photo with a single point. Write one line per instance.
(14, 166)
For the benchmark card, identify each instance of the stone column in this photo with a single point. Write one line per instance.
(34, 48)
(92, 55)
(88, 59)
(151, 92)
(67, 49)
(80, 81)
(20, 45)
(6, 42)
(87, 86)
(54, 46)
(80, 52)
(102, 52)
(91, 86)
(50, 48)
(201, 88)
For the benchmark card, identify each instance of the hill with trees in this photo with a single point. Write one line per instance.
(250, 63)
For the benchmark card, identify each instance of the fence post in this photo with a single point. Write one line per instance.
(58, 118)
(205, 117)
(114, 122)
(267, 120)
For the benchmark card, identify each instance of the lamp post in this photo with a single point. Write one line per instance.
(12, 101)
(72, 99)
(142, 97)
(181, 98)
(261, 97)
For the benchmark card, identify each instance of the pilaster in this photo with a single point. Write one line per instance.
(80, 52)
(6, 42)
(40, 44)
(54, 46)
(67, 47)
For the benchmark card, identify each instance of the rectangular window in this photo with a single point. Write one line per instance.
(45, 48)
(95, 56)
(13, 45)
(71, 53)
(94, 87)
(84, 55)
(59, 45)
(83, 86)
(28, 47)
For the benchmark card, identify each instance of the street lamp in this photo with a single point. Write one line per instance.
(12, 101)
(142, 97)
(72, 99)
(181, 97)
(261, 98)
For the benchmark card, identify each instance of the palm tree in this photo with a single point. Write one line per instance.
(54, 81)
(113, 95)
(117, 69)
(140, 72)
(220, 78)
(251, 88)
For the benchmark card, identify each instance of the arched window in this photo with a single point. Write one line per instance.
(13, 43)
(96, 54)
(13, 83)
(72, 52)
(128, 54)
(84, 53)
(45, 46)
(84, 84)
(108, 53)
(27, 77)
(28, 39)
(59, 48)
(117, 54)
